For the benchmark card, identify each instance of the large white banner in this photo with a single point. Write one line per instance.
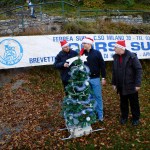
(24, 51)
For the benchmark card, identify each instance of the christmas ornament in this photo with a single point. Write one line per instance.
(71, 117)
(81, 68)
(83, 112)
(88, 118)
(86, 83)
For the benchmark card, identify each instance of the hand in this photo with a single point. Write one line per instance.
(137, 88)
(103, 82)
(66, 65)
(114, 87)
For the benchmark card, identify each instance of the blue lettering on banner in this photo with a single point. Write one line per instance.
(99, 37)
(146, 54)
(128, 37)
(139, 37)
(58, 39)
(41, 59)
(116, 37)
(136, 46)
(147, 37)
(105, 55)
(111, 45)
(80, 38)
(103, 46)
(143, 46)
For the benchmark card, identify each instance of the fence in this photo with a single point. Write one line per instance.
(64, 9)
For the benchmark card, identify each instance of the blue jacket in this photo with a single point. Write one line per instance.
(96, 63)
(60, 59)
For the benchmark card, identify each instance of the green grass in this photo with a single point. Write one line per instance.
(74, 11)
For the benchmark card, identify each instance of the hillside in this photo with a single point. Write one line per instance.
(30, 114)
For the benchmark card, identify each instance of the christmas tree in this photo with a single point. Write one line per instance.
(79, 104)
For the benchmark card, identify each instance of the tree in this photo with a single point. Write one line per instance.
(79, 105)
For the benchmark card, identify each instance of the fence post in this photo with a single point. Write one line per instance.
(22, 15)
(62, 4)
(41, 10)
(78, 12)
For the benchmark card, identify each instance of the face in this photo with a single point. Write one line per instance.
(65, 49)
(118, 50)
(86, 46)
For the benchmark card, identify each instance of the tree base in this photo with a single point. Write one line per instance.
(78, 131)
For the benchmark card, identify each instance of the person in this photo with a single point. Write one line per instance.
(126, 79)
(30, 5)
(61, 64)
(96, 65)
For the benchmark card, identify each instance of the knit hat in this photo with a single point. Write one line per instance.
(64, 43)
(88, 40)
(121, 44)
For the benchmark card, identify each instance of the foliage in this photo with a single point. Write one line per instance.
(147, 2)
(105, 27)
(11, 3)
(79, 27)
(129, 3)
(94, 3)
(30, 115)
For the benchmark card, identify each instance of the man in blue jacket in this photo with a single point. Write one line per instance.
(96, 65)
(126, 79)
(60, 61)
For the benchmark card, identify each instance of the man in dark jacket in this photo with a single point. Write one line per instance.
(60, 61)
(126, 79)
(96, 65)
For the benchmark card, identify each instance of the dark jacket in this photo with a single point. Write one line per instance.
(96, 63)
(60, 59)
(131, 75)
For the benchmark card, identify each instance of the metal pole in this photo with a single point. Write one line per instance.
(22, 16)
(41, 9)
(62, 4)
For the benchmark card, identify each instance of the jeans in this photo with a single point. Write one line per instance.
(97, 91)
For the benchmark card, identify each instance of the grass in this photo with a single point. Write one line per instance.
(74, 11)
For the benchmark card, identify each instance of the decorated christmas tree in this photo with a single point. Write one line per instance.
(79, 104)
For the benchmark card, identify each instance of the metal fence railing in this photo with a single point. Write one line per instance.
(63, 9)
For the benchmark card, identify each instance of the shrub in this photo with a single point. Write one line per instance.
(129, 3)
(94, 3)
(105, 27)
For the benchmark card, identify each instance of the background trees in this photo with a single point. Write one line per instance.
(86, 3)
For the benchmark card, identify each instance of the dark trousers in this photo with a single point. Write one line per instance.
(134, 105)
(65, 83)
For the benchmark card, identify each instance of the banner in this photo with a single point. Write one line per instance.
(25, 51)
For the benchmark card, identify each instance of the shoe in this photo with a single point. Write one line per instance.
(100, 121)
(32, 16)
(123, 121)
(135, 122)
